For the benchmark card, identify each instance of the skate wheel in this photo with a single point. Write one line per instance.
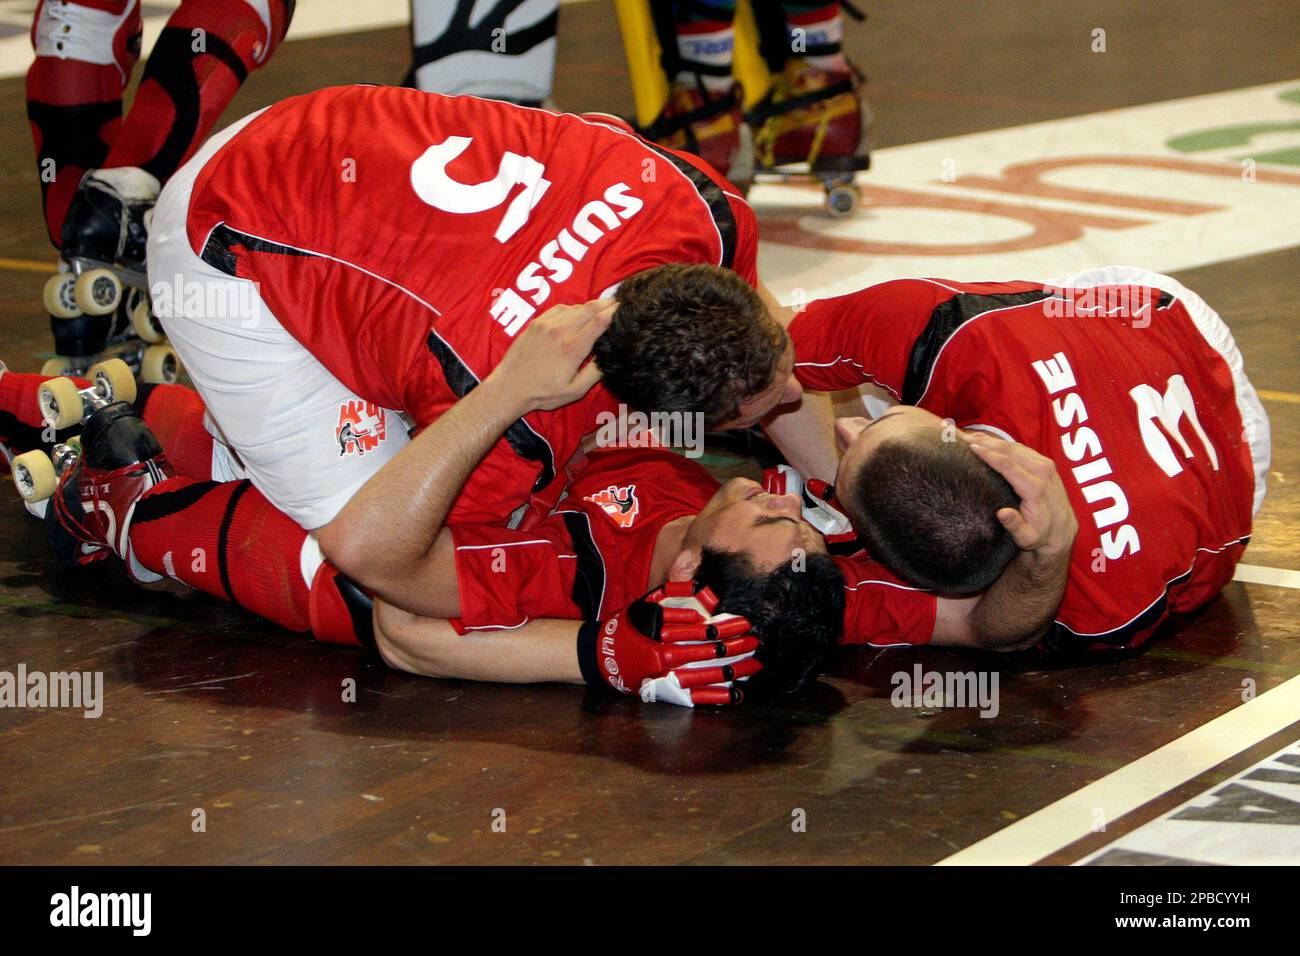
(144, 323)
(59, 296)
(115, 379)
(98, 291)
(60, 402)
(160, 365)
(842, 200)
(56, 366)
(74, 442)
(34, 476)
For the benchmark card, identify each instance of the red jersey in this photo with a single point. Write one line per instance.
(406, 238)
(1114, 383)
(587, 558)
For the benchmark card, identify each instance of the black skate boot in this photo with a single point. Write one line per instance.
(99, 301)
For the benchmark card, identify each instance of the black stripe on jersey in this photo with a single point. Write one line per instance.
(949, 316)
(945, 320)
(1061, 639)
(589, 581)
(713, 197)
(525, 442)
(219, 250)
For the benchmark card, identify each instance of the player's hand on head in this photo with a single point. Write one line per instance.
(670, 646)
(547, 366)
(1045, 523)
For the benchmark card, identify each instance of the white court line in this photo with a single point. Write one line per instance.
(1072, 817)
(1279, 577)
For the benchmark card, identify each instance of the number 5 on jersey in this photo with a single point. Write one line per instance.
(431, 183)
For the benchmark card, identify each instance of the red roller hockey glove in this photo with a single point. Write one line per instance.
(670, 646)
(820, 509)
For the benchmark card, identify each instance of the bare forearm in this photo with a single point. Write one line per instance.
(1019, 607)
(806, 436)
(386, 532)
(542, 651)
(385, 536)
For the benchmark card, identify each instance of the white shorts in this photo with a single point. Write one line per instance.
(305, 440)
(1211, 325)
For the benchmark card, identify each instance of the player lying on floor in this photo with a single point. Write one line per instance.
(1128, 383)
(632, 520)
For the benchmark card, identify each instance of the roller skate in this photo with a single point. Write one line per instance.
(86, 488)
(710, 125)
(813, 124)
(99, 300)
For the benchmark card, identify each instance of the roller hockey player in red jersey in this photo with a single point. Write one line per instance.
(1149, 438)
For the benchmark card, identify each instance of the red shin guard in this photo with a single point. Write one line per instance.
(227, 540)
(175, 415)
(340, 610)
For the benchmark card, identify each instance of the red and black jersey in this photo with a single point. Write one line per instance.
(590, 555)
(1116, 385)
(405, 239)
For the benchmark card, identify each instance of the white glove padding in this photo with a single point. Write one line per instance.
(821, 514)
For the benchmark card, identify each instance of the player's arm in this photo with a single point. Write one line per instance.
(387, 536)
(669, 645)
(805, 433)
(540, 651)
(774, 308)
(1018, 609)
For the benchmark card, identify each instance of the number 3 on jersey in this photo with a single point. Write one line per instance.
(431, 183)
(1161, 416)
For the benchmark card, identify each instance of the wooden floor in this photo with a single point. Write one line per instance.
(208, 709)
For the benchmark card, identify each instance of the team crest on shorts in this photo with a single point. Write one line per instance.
(620, 504)
(361, 427)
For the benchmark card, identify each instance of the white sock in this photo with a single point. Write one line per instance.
(714, 48)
